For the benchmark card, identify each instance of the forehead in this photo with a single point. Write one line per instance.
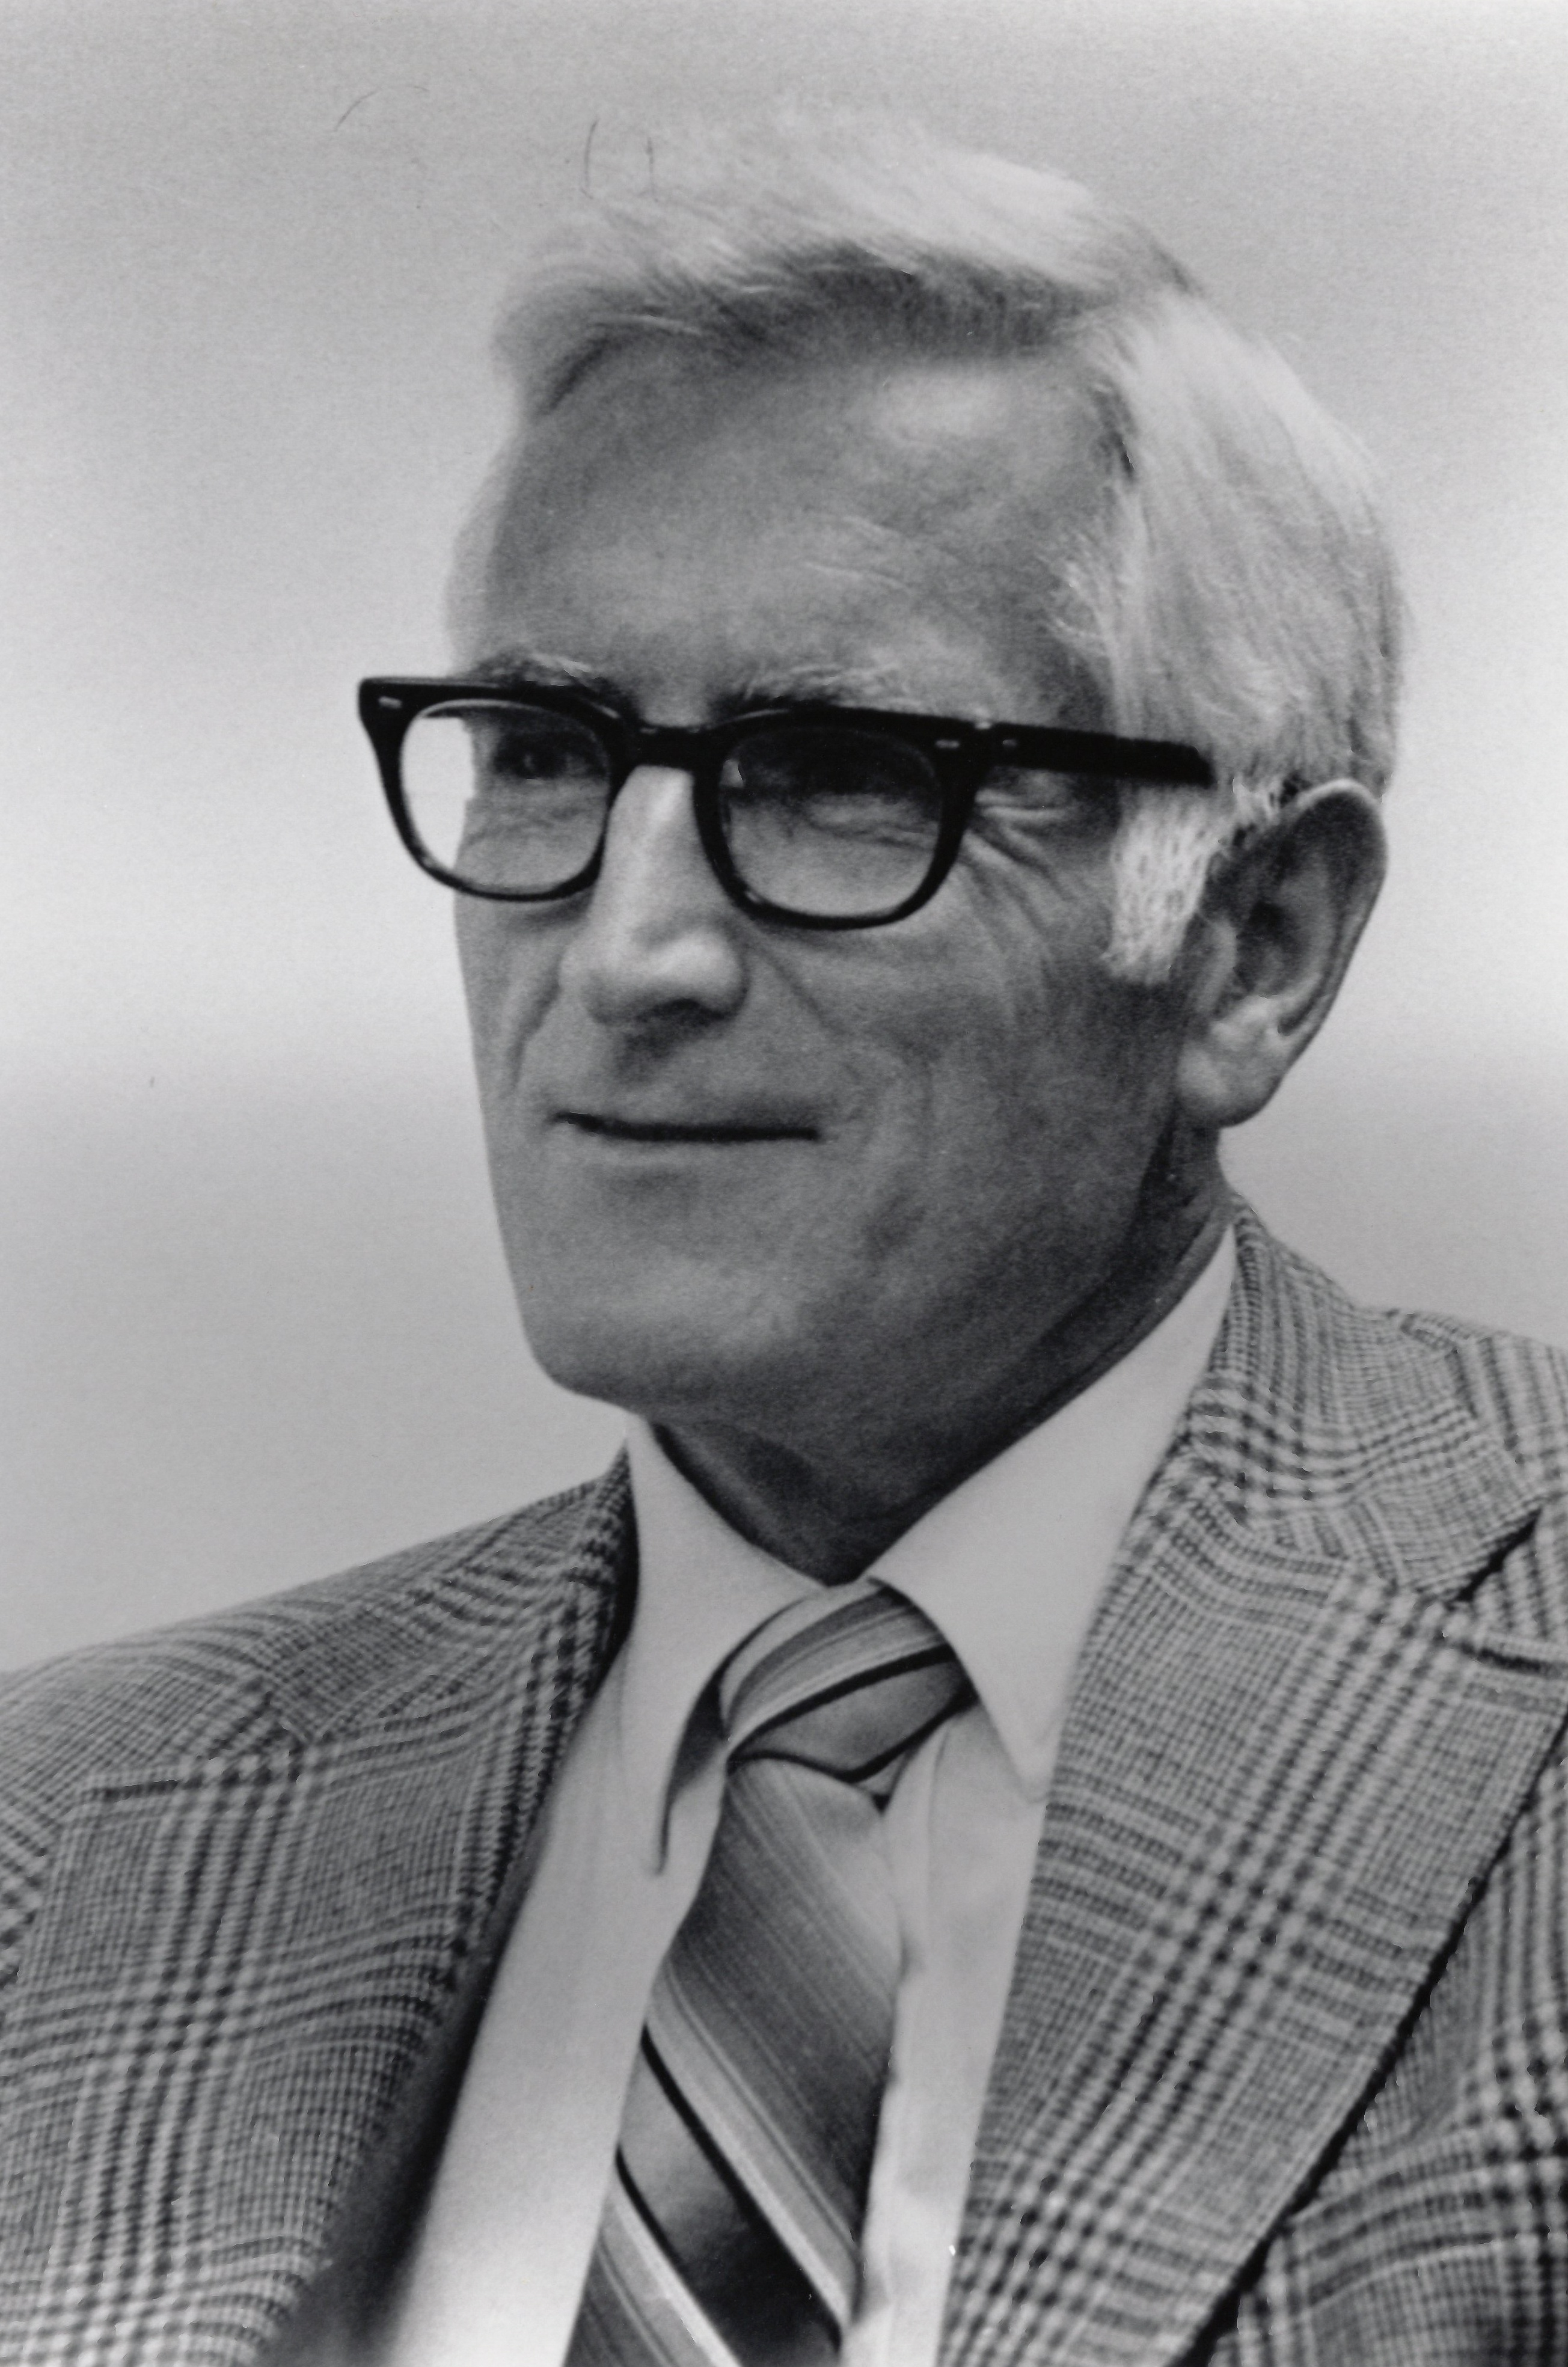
(685, 525)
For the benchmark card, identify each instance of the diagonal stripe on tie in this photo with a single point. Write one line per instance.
(731, 2234)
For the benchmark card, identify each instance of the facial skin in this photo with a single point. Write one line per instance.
(841, 1213)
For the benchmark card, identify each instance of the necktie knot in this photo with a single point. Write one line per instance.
(847, 1682)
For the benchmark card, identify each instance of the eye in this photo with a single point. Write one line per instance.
(521, 747)
(823, 819)
(1013, 792)
(815, 777)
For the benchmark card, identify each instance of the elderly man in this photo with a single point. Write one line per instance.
(1026, 1821)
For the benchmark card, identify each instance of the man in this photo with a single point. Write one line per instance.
(1028, 1823)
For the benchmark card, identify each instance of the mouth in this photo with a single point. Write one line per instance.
(666, 1131)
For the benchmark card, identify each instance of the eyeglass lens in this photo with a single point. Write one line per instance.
(816, 819)
(507, 798)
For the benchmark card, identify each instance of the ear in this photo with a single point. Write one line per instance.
(1279, 924)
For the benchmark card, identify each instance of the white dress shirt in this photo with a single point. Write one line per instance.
(1009, 1567)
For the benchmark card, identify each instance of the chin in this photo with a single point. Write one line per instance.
(669, 1354)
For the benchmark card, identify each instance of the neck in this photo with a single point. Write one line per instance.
(829, 1505)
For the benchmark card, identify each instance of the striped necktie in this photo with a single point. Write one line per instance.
(731, 2232)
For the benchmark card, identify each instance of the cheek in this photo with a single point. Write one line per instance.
(1042, 1082)
(508, 962)
(1010, 985)
(1040, 898)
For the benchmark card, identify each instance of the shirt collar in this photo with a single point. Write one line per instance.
(1009, 1566)
(701, 1590)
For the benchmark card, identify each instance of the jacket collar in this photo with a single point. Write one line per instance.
(1292, 1751)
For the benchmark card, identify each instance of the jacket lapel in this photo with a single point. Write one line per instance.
(1292, 1752)
(199, 2065)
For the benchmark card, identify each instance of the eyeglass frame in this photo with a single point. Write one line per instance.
(962, 753)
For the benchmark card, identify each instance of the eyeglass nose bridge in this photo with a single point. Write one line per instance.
(678, 748)
(697, 753)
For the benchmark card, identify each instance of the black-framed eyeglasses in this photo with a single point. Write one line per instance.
(824, 817)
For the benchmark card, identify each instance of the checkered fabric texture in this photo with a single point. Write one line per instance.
(1283, 2079)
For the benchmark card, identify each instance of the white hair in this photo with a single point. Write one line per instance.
(1236, 590)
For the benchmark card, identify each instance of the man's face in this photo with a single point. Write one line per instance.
(788, 1183)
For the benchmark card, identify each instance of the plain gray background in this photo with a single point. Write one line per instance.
(256, 1324)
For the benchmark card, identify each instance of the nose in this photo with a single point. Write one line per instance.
(659, 935)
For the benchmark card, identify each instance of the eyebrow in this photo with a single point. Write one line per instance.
(507, 668)
(878, 685)
(808, 682)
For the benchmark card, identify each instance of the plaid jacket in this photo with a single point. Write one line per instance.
(1284, 2075)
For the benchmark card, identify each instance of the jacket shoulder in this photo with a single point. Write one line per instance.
(1514, 1386)
(1435, 1444)
(1517, 1391)
(1370, 1374)
(321, 1660)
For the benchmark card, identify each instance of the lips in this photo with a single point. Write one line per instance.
(682, 1130)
